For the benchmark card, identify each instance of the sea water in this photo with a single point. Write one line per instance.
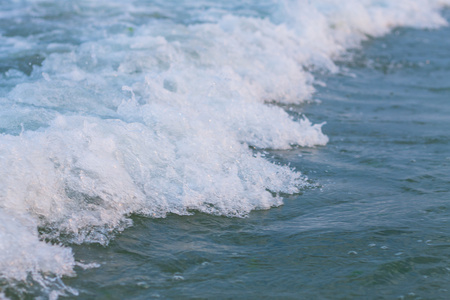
(196, 149)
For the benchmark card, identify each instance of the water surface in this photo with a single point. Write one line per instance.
(281, 149)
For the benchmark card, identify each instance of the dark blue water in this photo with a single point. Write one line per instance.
(376, 227)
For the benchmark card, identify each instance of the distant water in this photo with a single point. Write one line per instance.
(186, 149)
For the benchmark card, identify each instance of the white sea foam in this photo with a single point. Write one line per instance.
(134, 113)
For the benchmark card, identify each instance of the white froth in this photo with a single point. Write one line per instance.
(135, 115)
(24, 254)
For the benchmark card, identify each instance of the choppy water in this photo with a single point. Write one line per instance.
(135, 137)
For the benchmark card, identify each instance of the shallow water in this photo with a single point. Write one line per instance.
(98, 217)
(376, 228)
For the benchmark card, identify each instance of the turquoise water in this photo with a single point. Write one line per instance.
(162, 151)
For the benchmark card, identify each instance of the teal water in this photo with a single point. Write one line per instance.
(377, 227)
(160, 149)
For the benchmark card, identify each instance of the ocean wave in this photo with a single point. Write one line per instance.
(151, 110)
